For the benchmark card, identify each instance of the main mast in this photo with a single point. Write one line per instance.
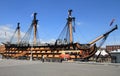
(34, 23)
(69, 21)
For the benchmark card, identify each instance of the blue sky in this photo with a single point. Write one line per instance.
(92, 18)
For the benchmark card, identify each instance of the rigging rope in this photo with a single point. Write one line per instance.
(26, 38)
(13, 37)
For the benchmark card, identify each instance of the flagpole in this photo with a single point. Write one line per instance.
(112, 22)
(5, 37)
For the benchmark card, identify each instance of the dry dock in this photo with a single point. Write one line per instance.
(37, 68)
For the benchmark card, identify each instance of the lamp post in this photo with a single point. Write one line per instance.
(31, 53)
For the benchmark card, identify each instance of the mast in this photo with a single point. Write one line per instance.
(18, 28)
(34, 23)
(104, 35)
(69, 21)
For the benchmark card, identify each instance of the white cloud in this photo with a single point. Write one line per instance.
(6, 32)
(52, 41)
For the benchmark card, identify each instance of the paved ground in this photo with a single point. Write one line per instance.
(37, 68)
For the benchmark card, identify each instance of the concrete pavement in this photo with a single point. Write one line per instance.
(37, 68)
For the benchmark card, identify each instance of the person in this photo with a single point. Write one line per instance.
(61, 60)
(43, 58)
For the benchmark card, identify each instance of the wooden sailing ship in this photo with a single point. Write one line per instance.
(64, 47)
